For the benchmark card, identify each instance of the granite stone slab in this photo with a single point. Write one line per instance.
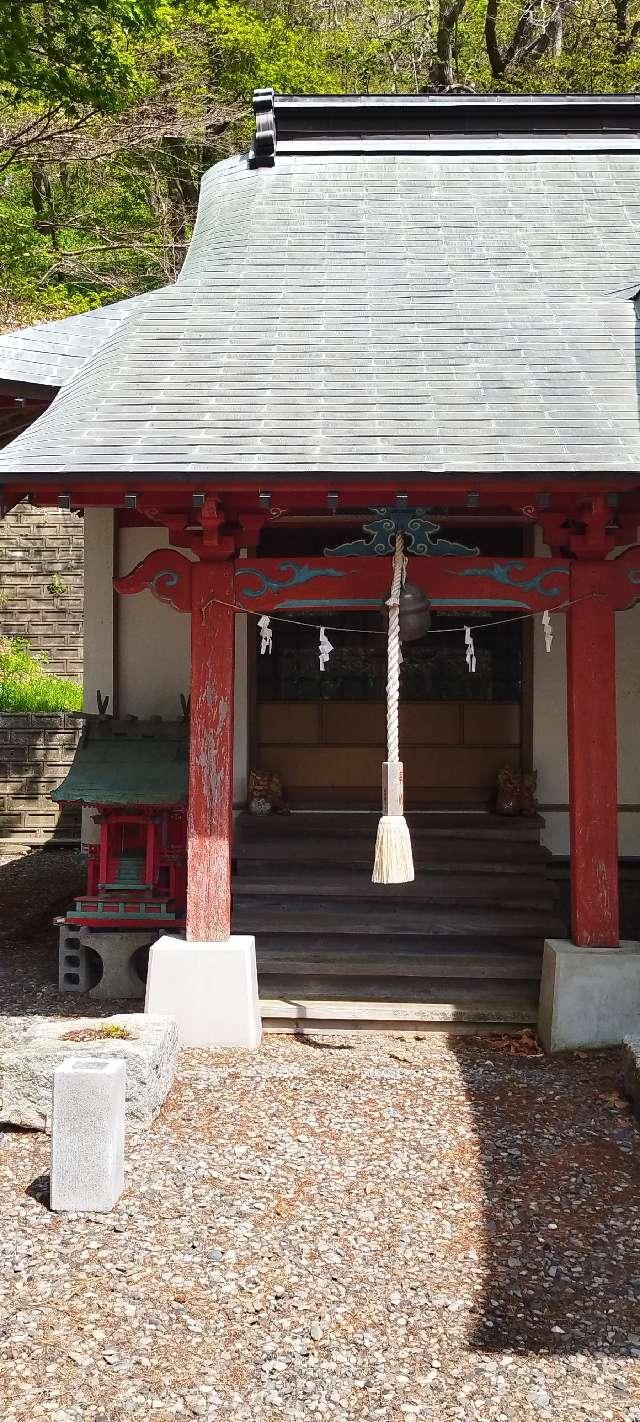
(32, 1048)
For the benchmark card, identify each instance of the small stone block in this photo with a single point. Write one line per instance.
(87, 1154)
(210, 988)
(631, 1072)
(589, 997)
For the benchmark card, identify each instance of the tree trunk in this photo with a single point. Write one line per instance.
(442, 74)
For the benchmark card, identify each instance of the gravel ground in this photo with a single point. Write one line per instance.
(359, 1226)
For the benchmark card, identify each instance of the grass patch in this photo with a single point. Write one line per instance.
(25, 684)
(98, 1034)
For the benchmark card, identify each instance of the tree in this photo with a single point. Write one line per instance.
(114, 108)
(71, 54)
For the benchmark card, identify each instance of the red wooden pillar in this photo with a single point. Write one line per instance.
(593, 791)
(210, 754)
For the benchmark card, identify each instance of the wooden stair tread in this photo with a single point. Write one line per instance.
(365, 961)
(421, 826)
(307, 942)
(401, 990)
(358, 1013)
(527, 891)
(427, 919)
(308, 848)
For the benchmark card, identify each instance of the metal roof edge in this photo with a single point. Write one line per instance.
(288, 119)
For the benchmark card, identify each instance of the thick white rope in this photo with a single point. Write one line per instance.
(394, 652)
(393, 859)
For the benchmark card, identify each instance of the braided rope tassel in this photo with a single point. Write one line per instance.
(393, 861)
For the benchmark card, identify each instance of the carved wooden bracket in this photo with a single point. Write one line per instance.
(594, 533)
(166, 573)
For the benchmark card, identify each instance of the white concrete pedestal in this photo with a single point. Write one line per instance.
(589, 997)
(210, 988)
(87, 1147)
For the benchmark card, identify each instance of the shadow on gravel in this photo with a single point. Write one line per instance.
(33, 891)
(560, 1157)
(40, 1190)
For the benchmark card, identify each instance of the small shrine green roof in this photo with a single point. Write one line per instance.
(128, 763)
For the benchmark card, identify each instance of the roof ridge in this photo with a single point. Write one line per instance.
(289, 122)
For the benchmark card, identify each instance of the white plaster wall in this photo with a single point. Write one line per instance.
(550, 730)
(154, 653)
(98, 607)
(98, 625)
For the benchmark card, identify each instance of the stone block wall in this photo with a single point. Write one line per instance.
(35, 753)
(36, 547)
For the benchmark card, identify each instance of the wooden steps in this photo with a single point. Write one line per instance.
(462, 943)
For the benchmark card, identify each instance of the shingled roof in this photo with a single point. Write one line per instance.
(415, 286)
(42, 358)
(128, 763)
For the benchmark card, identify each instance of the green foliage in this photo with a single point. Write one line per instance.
(72, 53)
(25, 684)
(56, 586)
(155, 91)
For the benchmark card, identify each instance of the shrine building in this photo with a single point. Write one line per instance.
(403, 322)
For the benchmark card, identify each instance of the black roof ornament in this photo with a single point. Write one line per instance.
(262, 153)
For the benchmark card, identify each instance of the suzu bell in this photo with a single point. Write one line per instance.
(415, 613)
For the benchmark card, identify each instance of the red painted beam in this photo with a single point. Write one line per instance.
(593, 797)
(469, 584)
(210, 755)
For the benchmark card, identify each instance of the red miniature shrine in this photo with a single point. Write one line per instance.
(133, 775)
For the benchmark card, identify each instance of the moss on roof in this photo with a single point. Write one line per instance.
(128, 763)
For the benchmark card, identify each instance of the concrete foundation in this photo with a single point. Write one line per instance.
(589, 997)
(87, 1150)
(210, 988)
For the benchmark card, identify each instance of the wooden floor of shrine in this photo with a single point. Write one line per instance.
(462, 944)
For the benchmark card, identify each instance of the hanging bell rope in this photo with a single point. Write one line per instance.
(393, 862)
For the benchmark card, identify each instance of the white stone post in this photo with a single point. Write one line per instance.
(87, 1153)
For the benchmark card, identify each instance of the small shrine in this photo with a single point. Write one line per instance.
(132, 777)
(407, 328)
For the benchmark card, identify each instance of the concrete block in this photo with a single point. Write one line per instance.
(589, 997)
(31, 1050)
(87, 1150)
(73, 961)
(117, 952)
(210, 988)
